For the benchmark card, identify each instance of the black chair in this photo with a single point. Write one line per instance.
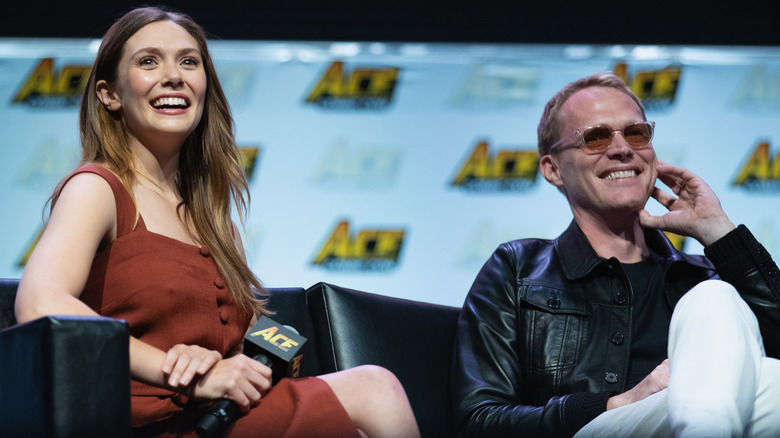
(412, 339)
(62, 376)
(65, 376)
(289, 308)
(8, 288)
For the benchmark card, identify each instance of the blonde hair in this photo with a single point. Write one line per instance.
(210, 172)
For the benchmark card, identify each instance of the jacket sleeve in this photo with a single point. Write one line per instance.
(487, 382)
(744, 263)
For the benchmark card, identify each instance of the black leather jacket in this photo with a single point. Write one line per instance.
(544, 335)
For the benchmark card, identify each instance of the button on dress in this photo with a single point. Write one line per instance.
(171, 292)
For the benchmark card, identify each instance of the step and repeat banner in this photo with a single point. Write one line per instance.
(398, 168)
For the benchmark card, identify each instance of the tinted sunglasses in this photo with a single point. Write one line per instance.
(597, 139)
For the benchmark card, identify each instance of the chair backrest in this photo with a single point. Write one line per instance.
(412, 339)
(289, 307)
(8, 288)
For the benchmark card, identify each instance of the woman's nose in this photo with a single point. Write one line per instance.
(171, 74)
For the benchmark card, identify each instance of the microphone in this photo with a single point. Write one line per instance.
(271, 344)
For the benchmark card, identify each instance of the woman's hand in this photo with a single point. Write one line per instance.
(238, 378)
(183, 362)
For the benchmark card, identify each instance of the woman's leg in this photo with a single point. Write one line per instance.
(375, 400)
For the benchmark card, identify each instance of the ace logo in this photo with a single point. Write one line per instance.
(508, 170)
(363, 89)
(656, 88)
(48, 89)
(272, 336)
(250, 156)
(360, 167)
(760, 173)
(368, 250)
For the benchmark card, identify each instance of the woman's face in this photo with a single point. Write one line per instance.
(161, 84)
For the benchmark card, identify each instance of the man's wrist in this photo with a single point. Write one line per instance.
(716, 231)
(616, 401)
(736, 252)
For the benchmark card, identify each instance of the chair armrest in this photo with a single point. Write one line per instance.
(65, 376)
(8, 288)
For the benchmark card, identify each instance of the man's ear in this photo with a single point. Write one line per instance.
(549, 169)
(107, 96)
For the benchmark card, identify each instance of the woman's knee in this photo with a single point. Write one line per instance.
(376, 377)
(373, 397)
(365, 382)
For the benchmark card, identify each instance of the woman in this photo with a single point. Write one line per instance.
(141, 231)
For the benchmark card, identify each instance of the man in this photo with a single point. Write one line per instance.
(609, 330)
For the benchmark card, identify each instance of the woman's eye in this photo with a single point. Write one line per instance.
(191, 62)
(146, 61)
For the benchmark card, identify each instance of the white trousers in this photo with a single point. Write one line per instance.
(722, 384)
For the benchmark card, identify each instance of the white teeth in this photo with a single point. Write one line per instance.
(169, 101)
(621, 174)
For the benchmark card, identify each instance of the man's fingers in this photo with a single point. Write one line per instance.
(648, 221)
(663, 198)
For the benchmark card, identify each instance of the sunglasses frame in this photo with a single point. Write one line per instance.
(583, 145)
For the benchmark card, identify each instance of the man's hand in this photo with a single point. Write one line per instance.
(654, 382)
(695, 211)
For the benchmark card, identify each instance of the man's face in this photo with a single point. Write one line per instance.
(610, 184)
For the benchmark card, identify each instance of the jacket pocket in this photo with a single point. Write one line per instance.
(555, 323)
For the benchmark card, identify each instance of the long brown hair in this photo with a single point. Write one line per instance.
(210, 172)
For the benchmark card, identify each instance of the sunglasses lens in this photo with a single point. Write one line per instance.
(597, 138)
(638, 134)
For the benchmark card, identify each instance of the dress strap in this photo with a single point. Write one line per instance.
(125, 208)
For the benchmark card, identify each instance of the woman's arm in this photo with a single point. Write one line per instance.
(82, 221)
(83, 218)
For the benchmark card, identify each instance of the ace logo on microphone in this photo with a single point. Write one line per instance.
(281, 343)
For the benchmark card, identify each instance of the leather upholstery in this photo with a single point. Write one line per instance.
(69, 376)
(289, 307)
(7, 296)
(412, 339)
(63, 376)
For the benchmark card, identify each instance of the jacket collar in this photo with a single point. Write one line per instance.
(578, 258)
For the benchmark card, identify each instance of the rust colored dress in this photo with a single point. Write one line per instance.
(171, 292)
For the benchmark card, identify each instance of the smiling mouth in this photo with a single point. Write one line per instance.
(170, 102)
(621, 174)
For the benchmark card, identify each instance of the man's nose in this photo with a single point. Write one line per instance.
(618, 144)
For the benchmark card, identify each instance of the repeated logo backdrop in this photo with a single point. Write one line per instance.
(398, 168)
